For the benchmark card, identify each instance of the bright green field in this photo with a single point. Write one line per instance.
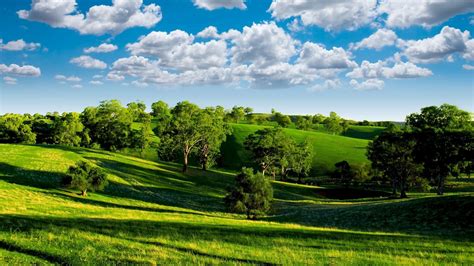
(363, 132)
(152, 214)
(327, 149)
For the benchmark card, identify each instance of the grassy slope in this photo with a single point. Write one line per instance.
(363, 132)
(151, 212)
(327, 149)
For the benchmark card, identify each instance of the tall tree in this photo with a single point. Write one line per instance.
(67, 129)
(14, 129)
(162, 113)
(333, 123)
(215, 131)
(392, 153)
(442, 135)
(281, 119)
(137, 111)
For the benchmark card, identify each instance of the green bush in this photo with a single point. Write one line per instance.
(84, 176)
(252, 194)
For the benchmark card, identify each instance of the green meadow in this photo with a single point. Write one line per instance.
(152, 214)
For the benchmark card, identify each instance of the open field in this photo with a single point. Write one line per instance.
(151, 212)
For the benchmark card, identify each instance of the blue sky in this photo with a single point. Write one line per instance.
(299, 58)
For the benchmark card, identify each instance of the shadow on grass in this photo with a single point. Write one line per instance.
(35, 253)
(252, 236)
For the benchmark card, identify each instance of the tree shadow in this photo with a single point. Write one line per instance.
(26, 177)
(55, 259)
(248, 235)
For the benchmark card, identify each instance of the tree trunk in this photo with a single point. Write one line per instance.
(403, 193)
(440, 185)
(394, 187)
(84, 193)
(204, 156)
(185, 162)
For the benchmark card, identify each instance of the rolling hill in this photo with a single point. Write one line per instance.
(327, 149)
(153, 214)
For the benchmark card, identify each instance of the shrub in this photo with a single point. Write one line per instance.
(84, 176)
(252, 194)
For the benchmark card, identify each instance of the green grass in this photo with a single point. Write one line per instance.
(152, 214)
(364, 132)
(327, 149)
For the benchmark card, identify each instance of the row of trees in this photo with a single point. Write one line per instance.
(437, 142)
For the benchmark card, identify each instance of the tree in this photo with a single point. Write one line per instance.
(215, 131)
(303, 122)
(393, 154)
(266, 146)
(236, 114)
(84, 176)
(443, 118)
(318, 119)
(333, 123)
(443, 135)
(137, 111)
(13, 129)
(295, 158)
(67, 129)
(141, 137)
(343, 172)
(162, 113)
(281, 119)
(252, 194)
(109, 124)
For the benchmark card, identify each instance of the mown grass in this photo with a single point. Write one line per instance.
(152, 214)
(327, 149)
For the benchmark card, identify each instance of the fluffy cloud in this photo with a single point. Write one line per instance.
(25, 71)
(331, 15)
(70, 78)
(176, 50)
(426, 13)
(369, 84)
(436, 48)
(378, 40)
(263, 45)
(18, 45)
(468, 67)
(215, 4)
(380, 70)
(86, 61)
(469, 53)
(209, 32)
(328, 84)
(99, 20)
(103, 48)
(96, 82)
(315, 56)
(10, 80)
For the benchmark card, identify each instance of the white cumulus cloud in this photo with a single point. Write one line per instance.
(86, 61)
(380, 39)
(369, 84)
(215, 4)
(99, 20)
(103, 48)
(18, 45)
(25, 70)
(10, 80)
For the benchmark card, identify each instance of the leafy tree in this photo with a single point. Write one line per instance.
(333, 123)
(444, 137)
(304, 122)
(162, 113)
(343, 172)
(266, 146)
(84, 176)
(67, 129)
(13, 129)
(443, 118)
(215, 131)
(141, 137)
(252, 194)
(137, 111)
(109, 124)
(393, 154)
(236, 114)
(281, 119)
(318, 119)
(295, 158)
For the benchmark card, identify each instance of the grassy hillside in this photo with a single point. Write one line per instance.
(327, 149)
(363, 132)
(150, 214)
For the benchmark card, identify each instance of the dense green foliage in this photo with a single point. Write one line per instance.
(84, 176)
(252, 194)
